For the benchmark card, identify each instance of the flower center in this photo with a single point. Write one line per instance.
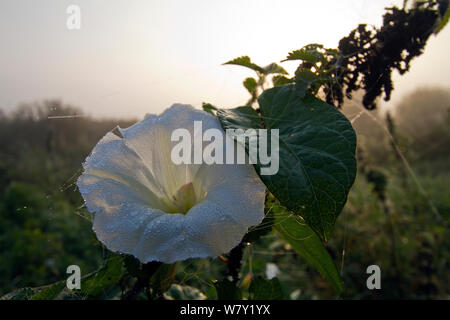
(183, 200)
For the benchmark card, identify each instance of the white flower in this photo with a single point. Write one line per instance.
(148, 207)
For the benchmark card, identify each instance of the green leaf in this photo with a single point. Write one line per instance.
(108, 275)
(50, 292)
(93, 284)
(245, 61)
(306, 243)
(227, 290)
(274, 68)
(239, 118)
(317, 164)
(250, 84)
(263, 289)
(305, 55)
(444, 21)
(143, 272)
(281, 80)
(20, 294)
(317, 156)
(303, 80)
(163, 277)
(133, 266)
(209, 108)
(177, 292)
(264, 228)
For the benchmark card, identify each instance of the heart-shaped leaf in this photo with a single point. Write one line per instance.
(317, 164)
(317, 156)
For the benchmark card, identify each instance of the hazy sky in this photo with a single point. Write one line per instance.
(135, 57)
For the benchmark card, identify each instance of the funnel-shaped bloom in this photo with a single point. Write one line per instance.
(149, 207)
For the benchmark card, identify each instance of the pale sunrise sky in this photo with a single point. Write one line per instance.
(133, 57)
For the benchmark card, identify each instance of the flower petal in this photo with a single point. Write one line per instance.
(206, 231)
(120, 214)
(111, 159)
(150, 139)
(237, 189)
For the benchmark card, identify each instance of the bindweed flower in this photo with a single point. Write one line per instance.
(147, 206)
